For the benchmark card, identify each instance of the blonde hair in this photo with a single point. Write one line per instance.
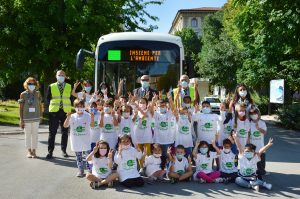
(25, 84)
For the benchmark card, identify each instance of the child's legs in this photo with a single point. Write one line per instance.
(132, 182)
(188, 152)
(92, 178)
(79, 160)
(159, 173)
(186, 175)
(172, 174)
(242, 183)
(230, 176)
(204, 176)
(27, 132)
(110, 178)
(34, 134)
(214, 175)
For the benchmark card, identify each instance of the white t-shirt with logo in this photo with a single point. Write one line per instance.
(127, 163)
(80, 132)
(184, 133)
(256, 137)
(152, 165)
(108, 131)
(86, 97)
(163, 133)
(248, 167)
(204, 163)
(227, 162)
(224, 131)
(126, 126)
(95, 131)
(180, 167)
(242, 129)
(142, 130)
(100, 167)
(207, 126)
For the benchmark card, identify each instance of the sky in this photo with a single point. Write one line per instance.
(167, 11)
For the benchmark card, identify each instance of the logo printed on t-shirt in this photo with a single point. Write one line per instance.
(108, 127)
(103, 170)
(256, 134)
(228, 129)
(204, 166)
(229, 165)
(208, 125)
(80, 130)
(184, 130)
(126, 130)
(163, 125)
(129, 164)
(248, 171)
(242, 132)
(180, 171)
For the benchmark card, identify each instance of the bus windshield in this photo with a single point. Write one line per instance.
(130, 60)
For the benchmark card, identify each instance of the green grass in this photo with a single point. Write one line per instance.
(9, 113)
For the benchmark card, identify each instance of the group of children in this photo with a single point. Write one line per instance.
(162, 139)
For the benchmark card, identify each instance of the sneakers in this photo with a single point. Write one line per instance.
(173, 180)
(202, 181)
(142, 172)
(64, 154)
(111, 184)
(80, 174)
(267, 186)
(49, 156)
(219, 180)
(255, 187)
(95, 185)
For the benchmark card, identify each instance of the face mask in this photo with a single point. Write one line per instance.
(243, 93)
(125, 147)
(93, 110)
(184, 84)
(226, 150)
(143, 106)
(106, 109)
(102, 152)
(60, 79)
(206, 110)
(242, 113)
(254, 117)
(88, 89)
(162, 110)
(145, 84)
(157, 155)
(125, 114)
(79, 110)
(103, 91)
(31, 87)
(183, 117)
(203, 150)
(186, 105)
(179, 156)
(248, 154)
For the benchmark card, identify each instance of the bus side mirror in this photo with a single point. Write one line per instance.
(80, 58)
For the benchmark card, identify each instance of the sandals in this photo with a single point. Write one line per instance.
(95, 185)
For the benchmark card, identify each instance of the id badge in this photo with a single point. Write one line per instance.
(31, 110)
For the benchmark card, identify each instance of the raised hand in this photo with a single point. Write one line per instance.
(95, 149)
(145, 150)
(110, 154)
(270, 143)
(69, 114)
(76, 84)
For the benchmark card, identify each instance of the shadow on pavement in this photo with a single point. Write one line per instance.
(66, 162)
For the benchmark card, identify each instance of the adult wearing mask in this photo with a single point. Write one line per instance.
(145, 90)
(30, 113)
(58, 97)
(85, 94)
(185, 90)
(241, 95)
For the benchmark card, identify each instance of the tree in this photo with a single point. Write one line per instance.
(268, 32)
(39, 37)
(220, 57)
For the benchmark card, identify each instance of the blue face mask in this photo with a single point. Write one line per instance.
(145, 84)
(179, 156)
(184, 84)
(88, 89)
(60, 79)
(203, 150)
(206, 110)
(93, 110)
(162, 110)
(248, 154)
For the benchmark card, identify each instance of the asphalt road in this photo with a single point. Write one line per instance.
(39, 178)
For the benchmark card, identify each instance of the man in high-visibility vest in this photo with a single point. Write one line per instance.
(185, 90)
(58, 97)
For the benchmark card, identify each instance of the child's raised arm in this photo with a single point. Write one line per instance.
(110, 156)
(92, 124)
(90, 156)
(170, 156)
(101, 123)
(262, 150)
(67, 121)
(213, 143)
(170, 101)
(195, 151)
(115, 119)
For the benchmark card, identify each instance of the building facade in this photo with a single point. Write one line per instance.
(191, 18)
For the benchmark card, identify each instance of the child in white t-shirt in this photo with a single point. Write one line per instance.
(203, 158)
(258, 129)
(126, 158)
(101, 159)
(241, 124)
(108, 124)
(184, 131)
(180, 168)
(80, 123)
(155, 165)
(248, 160)
(95, 130)
(126, 120)
(86, 93)
(225, 127)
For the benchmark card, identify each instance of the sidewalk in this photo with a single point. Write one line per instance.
(15, 130)
(271, 119)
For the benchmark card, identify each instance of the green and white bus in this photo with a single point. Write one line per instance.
(129, 55)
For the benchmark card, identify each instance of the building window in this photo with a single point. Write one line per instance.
(194, 22)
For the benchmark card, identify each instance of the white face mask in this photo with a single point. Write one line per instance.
(226, 150)
(104, 91)
(79, 110)
(31, 87)
(157, 155)
(125, 114)
(60, 79)
(254, 117)
(125, 146)
(243, 93)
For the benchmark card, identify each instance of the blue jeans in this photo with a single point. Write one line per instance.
(188, 152)
(242, 182)
(80, 161)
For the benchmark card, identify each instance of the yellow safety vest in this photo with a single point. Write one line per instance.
(191, 92)
(57, 98)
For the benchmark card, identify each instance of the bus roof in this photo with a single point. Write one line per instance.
(149, 36)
